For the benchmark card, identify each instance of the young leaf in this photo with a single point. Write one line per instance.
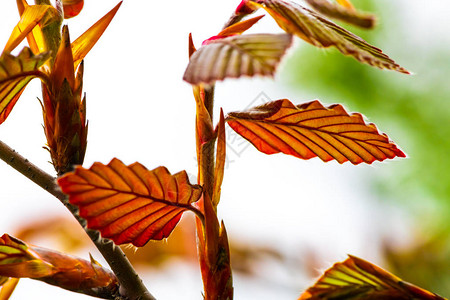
(32, 16)
(7, 287)
(130, 204)
(20, 260)
(84, 43)
(318, 31)
(311, 130)
(15, 73)
(236, 56)
(356, 279)
(339, 12)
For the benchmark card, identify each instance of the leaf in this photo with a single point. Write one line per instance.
(236, 56)
(32, 16)
(130, 204)
(356, 278)
(15, 73)
(84, 43)
(8, 287)
(318, 31)
(19, 260)
(72, 8)
(339, 12)
(311, 130)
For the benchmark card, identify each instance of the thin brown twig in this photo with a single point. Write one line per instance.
(131, 286)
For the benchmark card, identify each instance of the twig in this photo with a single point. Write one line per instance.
(131, 286)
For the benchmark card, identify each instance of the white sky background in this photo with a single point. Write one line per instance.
(139, 109)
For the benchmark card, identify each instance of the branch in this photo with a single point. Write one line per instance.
(131, 286)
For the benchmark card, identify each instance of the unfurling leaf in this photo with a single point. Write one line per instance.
(236, 56)
(7, 287)
(339, 12)
(356, 279)
(130, 204)
(15, 73)
(84, 43)
(72, 8)
(311, 130)
(32, 16)
(20, 260)
(318, 31)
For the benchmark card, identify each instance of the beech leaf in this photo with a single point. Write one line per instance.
(20, 260)
(340, 12)
(15, 73)
(236, 56)
(322, 33)
(309, 130)
(130, 204)
(356, 279)
(32, 16)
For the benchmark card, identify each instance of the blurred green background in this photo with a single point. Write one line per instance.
(415, 113)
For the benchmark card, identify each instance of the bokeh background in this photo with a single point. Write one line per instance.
(287, 219)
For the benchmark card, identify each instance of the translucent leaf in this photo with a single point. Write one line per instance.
(72, 8)
(322, 33)
(83, 44)
(7, 288)
(130, 204)
(15, 73)
(19, 260)
(236, 56)
(339, 12)
(311, 130)
(356, 279)
(32, 16)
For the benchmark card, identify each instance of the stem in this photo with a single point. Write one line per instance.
(212, 245)
(131, 286)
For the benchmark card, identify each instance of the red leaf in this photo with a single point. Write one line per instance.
(130, 204)
(311, 130)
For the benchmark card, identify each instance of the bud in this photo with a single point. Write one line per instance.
(65, 110)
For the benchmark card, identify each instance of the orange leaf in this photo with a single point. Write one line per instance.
(19, 260)
(31, 17)
(72, 8)
(240, 27)
(311, 130)
(236, 56)
(83, 44)
(356, 279)
(15, 73)
(8, 287)
(130, 204)
(318, 31)
(346, 14)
